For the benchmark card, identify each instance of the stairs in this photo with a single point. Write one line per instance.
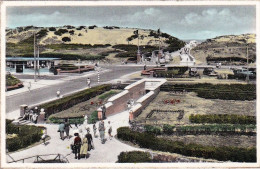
(20, 121)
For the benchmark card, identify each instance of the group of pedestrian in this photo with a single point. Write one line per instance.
(82, 144)
(31, 115)
(64, 127)
(82, 141)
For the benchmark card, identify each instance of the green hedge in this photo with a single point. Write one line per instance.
(218, 91)
(93, 117)
(26, 135)
(222, 118)
(69, 101)
(79, 120)
(146, 140)
(222, 129)
(106, 95)
(134, 157)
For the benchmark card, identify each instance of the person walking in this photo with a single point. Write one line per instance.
(44, 135)
(61, 130)
(90, 140)
(29, 86)
(77, 145)
(84, 147)
(94, 129)
(67, 127)
(101, 129)
(88, 82)
(109, 130)
(58, 93)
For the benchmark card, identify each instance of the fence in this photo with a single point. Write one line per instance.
(58, 158)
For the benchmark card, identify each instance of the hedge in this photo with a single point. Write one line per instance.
(78, 120)
(146, 140)
(93, 117)
(218, 91)
(219, 129)
(71, 100)
(222, 118)
(26, 135)
(134, 157)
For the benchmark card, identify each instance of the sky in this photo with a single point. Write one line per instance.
(183, 22)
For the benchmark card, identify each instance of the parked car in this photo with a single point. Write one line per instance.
(242, 73)
(193, 71)
(209, 71)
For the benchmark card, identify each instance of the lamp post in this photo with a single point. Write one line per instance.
(247, 75)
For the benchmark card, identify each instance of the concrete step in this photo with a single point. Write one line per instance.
(24, 122)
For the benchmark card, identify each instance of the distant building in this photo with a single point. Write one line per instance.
(19, 64)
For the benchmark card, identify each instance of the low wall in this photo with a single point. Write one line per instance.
(135, 91)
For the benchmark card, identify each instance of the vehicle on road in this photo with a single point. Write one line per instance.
(193, 72)
(243, 73)
(209, 71)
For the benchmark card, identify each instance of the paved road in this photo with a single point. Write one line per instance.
(39, 95)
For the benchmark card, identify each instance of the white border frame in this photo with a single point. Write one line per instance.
(6, 4)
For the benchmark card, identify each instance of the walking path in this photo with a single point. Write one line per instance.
(103, 153)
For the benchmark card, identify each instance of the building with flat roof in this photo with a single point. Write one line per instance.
(19, 64)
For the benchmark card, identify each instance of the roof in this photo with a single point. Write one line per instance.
(29, 59)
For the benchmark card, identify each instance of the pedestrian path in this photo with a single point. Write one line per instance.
(103, 153)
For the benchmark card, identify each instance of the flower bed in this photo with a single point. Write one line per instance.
(146, 140)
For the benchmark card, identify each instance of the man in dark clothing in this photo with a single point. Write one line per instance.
(77, 144)
(67, 128)
(104, 112)
(90, 140)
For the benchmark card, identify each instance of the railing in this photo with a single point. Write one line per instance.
(40, 158)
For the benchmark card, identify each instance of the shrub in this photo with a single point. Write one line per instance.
(153, 129)
(134, 157)
(218, 91)
(222, 118)
(71, 32)
(168, 129)
(41, 33)
(11, 80)
(69, 101)
(60, 32)
(106, 95)
(93, 117)
(26, 135)
(92, 27)
(78, 120)
(66, 39)
(52, 29)
(146, 140)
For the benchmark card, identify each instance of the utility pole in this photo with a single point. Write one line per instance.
(247, 75)
(34, 47)
(38, 61)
